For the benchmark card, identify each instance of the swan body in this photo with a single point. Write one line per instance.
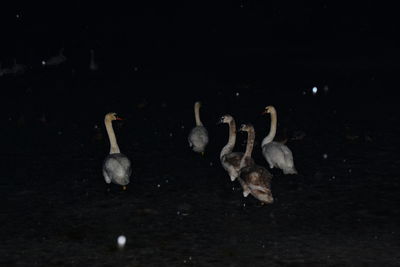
(254, 179)
(198, 136)
(230, 161)
(55, 60)
(15, 69)
(117, 169)
(116, 166)
(277, 154)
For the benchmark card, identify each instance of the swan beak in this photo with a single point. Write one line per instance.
(264, 112)
(124, 188)
(119, 119)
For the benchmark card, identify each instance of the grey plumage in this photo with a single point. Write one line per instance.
(198, 138)
(117, 169)
(279, 155)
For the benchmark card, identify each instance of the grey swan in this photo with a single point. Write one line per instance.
(230, 161)
(198, 136)
(116, 166)
(255, 179)
(277, 154)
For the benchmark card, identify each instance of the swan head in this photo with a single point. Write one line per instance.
(197, 104)
(264, 195)
(225, 119)
(268, 109)
(246, 127)
(112, 116)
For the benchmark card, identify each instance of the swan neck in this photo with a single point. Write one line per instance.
(249, 148)
(228, 148)
(272, 131)
(114, 148)
(197, 115)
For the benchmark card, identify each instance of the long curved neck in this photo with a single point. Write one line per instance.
(228, 148)
(272, 130)
(249, 147)
(111, 135)
(197, 115)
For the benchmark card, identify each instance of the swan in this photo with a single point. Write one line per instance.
(277, 154)
(198, 136)
(55, 60)
(93, 65)
(255, 179)
(231, 160)
(116, 166)
(15, 69)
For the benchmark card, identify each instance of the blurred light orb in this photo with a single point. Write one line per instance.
(121, 241)
(314, 90)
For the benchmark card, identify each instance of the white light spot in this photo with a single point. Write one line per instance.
(183, 127)
(314, 90)
(17, 16)
(244, 204)
(166, 181)
(43, 62)
(304, 92)
(237, 94)
(121, 241)
(158, 185)
(349, 170)
(211, 163)
(170, 134)
(326, 89)
(325, 156)
(96, 126)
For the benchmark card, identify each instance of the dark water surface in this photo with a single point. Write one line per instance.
(180, 208)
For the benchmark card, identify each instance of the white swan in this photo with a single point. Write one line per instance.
(198, 136)
(231, 160)
(255, 179)
(55, 60)
(116, 166)
(15, 69)
(93, 65)
(277, 154)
